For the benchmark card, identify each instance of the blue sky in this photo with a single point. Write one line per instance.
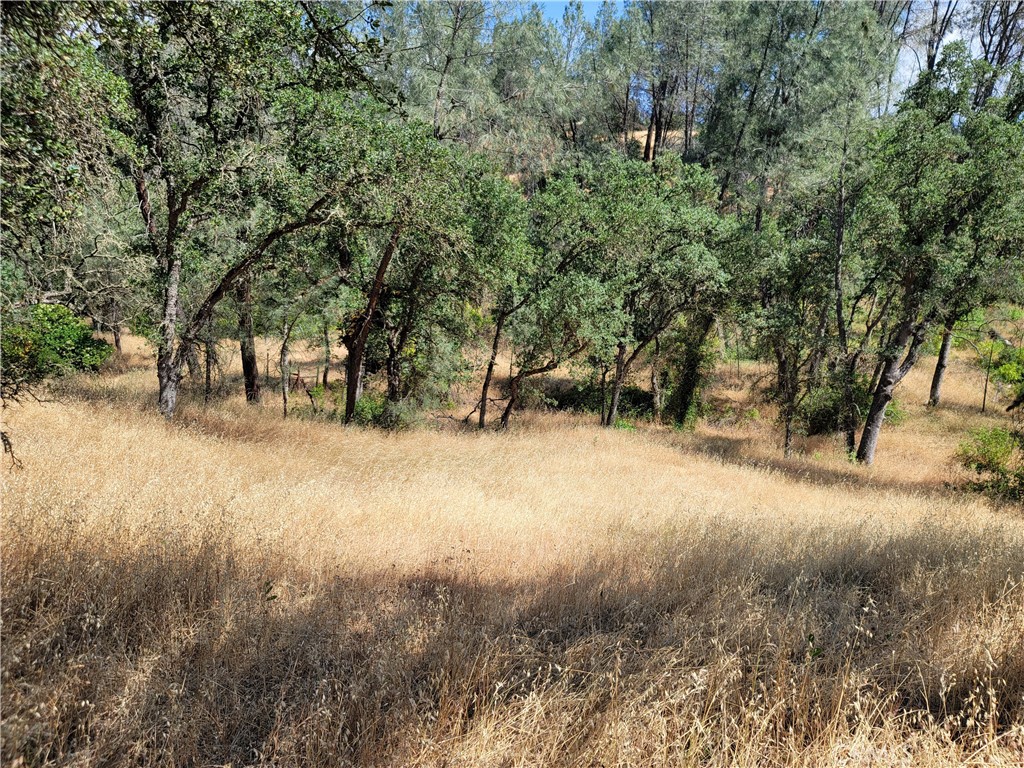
(554, 10)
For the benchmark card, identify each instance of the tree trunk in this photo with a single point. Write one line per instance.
(891, 374)
(604, 393)
(515, 381)
(818, 354)
(192, 360)
(876, 376)
(353, 380)
(789, 384)
(208, 383)
(659, 134)
(876, 415)
(657, 391)
(625, 123)
(649, 143)
(247, 342)
(690, 370)
(357, 348)
(168, 378)
(617, 383)
(513, 399)
(849, 415)
(393, 367)
(168, 364)
(489, 375)
(935, 395)
(285, 367)
(327, 355)
(787, 445)
(117, 338)
(666, 117)
(355, 369)
(211, 360)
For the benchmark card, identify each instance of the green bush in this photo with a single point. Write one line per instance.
(318, 396)
(987, 450)
(375, 410)
(749, 415)
(1008, 369)
(369, 410)
(49, 342)
(997, 456)
(821, 411)
(896, 413)
(585, 397)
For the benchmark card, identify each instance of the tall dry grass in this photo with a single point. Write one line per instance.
(238, 589)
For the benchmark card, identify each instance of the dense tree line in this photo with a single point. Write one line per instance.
(429, 185)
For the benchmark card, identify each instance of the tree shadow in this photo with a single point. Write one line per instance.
(733, 450)
(190, 654)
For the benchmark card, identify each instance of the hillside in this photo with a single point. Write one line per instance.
(235, 588)
(688, 266)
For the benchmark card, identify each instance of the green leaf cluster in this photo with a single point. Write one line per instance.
(49, 342)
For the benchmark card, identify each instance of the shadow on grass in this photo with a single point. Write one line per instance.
(733, 450)
(178, 653)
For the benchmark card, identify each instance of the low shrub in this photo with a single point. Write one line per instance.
(375, 410)
(369, 410)
(996, 456)
(50, 341)
(821, 411)
(585, 397)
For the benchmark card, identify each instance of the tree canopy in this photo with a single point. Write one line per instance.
(435, 185)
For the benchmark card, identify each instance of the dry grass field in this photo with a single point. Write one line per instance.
(238, 589)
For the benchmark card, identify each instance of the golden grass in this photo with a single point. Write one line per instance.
(238, 589)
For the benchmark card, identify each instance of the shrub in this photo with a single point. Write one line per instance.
(400, 415)
(997, 457)
(749, 415)
(1009, 370)
(49, 342)
(896, 413)
(585, 397)
(375, 410)
(821, 411)
(369, 410)
(318, 394)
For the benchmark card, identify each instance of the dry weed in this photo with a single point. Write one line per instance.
(238, 589)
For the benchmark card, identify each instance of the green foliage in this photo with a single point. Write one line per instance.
(691, 352)
(996, 455)
(375, 410)
(318, 395)
(1008, 368)
(505, 203)
(987, 450)
(586, 396)
(50, 342)
(370, 410)
(821, 411)
(896, 413)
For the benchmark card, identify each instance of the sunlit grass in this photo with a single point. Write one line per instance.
(238, 589)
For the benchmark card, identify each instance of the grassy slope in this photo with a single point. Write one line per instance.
(239, 589)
